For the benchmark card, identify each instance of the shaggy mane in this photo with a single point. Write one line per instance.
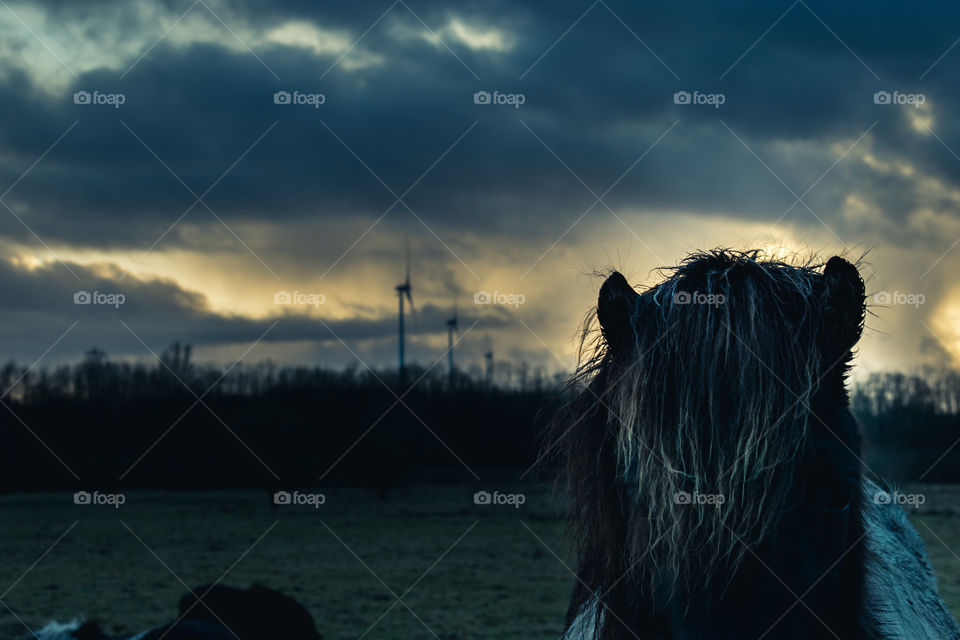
(708, 400)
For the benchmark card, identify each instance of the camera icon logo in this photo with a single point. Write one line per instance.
(81, 97)
(82, 297)
(282, 297)
(281, 497)
(481, 97)
(81, 497)
(281, 97)
(681, 97)
(682, 497)
(681, 297)
(481, 497)
(881, 97)
(882, 297)
(882, 497)
(482, 297)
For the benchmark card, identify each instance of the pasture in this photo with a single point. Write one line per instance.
(462, 570)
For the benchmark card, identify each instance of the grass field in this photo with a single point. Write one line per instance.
(462, 570)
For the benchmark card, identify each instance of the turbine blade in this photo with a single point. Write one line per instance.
(413, 310)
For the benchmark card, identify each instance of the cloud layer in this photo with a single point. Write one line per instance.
(205, 190)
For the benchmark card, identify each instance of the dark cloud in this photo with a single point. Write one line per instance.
(41, 304)
(597, 98)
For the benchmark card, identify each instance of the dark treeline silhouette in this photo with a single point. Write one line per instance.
(121, 424)
(175, 424)
(912, 421)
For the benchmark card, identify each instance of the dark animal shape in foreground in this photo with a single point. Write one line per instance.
(212, 613)
(713, 466)
(254, 610)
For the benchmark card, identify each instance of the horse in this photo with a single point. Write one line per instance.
(211, 612)
(713, 470)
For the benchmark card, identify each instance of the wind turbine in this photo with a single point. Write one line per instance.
(404, 290)
(452, 327)
(489, 374)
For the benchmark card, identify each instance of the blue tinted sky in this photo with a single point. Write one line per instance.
(149, 149)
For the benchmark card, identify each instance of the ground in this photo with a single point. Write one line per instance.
(462, 570)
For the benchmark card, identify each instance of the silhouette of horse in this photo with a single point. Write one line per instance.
(215, 612)
(713, 471)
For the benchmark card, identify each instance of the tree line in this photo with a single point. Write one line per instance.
(174, 423)
(103, 423)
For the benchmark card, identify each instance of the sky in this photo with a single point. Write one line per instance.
(170, 170)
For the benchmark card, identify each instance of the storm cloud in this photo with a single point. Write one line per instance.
(187, 148)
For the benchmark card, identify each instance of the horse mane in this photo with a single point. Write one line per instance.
(707, 401)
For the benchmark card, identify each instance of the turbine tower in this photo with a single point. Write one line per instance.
(404, 290)
(452, 327)
(489, 374)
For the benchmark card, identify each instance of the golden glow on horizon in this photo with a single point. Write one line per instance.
(559, 291)
(945, 322)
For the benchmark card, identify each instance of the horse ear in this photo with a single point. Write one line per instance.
(616, 307)
(843, 301)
